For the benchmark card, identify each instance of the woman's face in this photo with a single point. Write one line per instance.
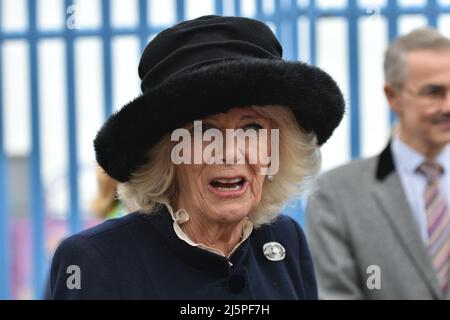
(225, 193)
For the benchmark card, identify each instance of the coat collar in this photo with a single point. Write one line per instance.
(182, 216)
(385, 165)
(161, 222)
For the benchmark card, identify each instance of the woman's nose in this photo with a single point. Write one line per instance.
(233, 153)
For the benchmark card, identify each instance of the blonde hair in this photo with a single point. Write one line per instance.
(300, 160)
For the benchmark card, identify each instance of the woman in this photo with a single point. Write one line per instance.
(207, 229)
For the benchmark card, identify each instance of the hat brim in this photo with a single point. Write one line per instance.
(123, 142)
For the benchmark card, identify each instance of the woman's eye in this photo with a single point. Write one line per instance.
(254, 126)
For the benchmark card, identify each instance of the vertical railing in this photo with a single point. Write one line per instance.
(285, 18)
(181, 10)
(5, 278)
(293, 21)
(36, 185)
(353, 62)
(143, 24)
(218, 7)
(312, 15)
(392, 19)
(107, 65)
(278, 14)
(237, 7)
(432, 12)
(74, 206)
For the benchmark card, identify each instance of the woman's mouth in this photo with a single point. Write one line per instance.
(228, 187)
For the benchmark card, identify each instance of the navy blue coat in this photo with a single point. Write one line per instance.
(139, 256)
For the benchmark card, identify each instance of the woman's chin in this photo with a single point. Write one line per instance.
(232, 212)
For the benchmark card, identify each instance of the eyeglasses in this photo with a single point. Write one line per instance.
(432, 94)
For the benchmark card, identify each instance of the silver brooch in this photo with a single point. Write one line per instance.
(274, 251)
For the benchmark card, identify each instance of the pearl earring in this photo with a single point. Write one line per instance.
(270, 178)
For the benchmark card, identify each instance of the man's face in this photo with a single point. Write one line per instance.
(423, 102)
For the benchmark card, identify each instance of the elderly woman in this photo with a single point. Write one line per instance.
(208, 228)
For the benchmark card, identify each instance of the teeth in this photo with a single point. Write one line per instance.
(229, 180)
(229, 189)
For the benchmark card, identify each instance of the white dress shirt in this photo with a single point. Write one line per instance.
(406, 161)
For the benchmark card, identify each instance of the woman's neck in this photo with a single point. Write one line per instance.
(219, 236)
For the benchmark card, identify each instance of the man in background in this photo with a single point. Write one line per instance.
(379, 228)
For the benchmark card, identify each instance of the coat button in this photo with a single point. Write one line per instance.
(274, 251)
(236, 283)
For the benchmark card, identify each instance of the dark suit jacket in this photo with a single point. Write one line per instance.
(139, 256)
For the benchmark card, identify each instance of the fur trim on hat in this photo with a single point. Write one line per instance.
(123, 142)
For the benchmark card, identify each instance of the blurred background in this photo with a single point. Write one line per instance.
(65, 65)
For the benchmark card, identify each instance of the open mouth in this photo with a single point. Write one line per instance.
(228, 185)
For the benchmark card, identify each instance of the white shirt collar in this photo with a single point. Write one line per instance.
(444, 159)
(182, 216)
(408, 160)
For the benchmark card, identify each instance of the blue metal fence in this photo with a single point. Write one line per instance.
(5, 285)
(284, 18)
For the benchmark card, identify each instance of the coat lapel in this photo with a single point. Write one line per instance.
(389, 193)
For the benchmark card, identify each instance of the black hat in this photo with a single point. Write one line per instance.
(207, 66)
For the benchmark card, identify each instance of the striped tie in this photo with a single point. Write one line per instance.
(438, 222)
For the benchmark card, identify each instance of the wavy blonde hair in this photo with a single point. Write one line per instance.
(154, 183)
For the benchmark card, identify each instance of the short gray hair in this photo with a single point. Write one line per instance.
(419, 39)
